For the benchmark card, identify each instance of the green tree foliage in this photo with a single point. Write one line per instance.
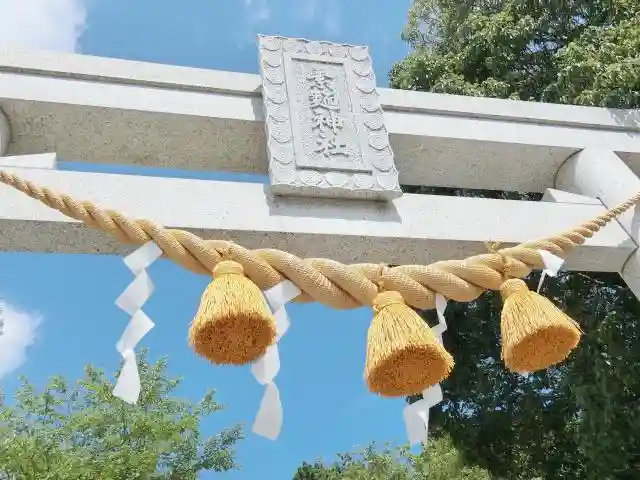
(82, 432)
(574, 421)
(564, 51)
(440, 461)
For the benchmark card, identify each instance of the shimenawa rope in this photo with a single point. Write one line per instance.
(323, 280)
(235, 326)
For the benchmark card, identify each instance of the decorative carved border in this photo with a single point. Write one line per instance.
(285, 177)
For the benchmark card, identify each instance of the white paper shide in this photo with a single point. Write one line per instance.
(268, 420)
(552, 265)
(416, 415)
(131, 301)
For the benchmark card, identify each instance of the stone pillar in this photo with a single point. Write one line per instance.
(5, 133)
(601, 174)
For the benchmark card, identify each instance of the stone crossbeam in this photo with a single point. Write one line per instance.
(412, 229)
(114, 111)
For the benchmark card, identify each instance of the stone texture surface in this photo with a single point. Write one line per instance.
(142, 138)
(408, 230)
(5, 133)
(42, 160)
(560, 196)
(120, 112)
(599, 173)
(326, 135)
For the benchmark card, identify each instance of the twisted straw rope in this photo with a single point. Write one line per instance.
(320, 279)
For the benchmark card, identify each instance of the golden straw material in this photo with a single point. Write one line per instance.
(535, 333)
(326, 281)
(403, 354)
(233, 325)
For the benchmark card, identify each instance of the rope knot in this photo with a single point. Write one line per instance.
(228, 267)
(379, 280)
(511, 286)
(385, 299)
(507, 262)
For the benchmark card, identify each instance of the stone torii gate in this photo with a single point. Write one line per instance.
(313, 120)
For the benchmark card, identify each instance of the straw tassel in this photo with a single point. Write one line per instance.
(535, 333)
(403, 354)
(234, 324)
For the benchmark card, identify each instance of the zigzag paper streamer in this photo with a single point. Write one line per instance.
(416, 415)
(552, 265)
(131, 301)
(268, 422)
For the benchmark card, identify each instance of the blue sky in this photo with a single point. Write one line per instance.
(70, 298)
(221, 35)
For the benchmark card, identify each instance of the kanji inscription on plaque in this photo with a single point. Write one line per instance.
(324, 124)
(327, 122)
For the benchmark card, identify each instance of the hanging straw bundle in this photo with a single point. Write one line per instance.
(403, 354)
(234, 324)
(535, 333)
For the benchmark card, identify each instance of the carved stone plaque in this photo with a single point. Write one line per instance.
(325, 128)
